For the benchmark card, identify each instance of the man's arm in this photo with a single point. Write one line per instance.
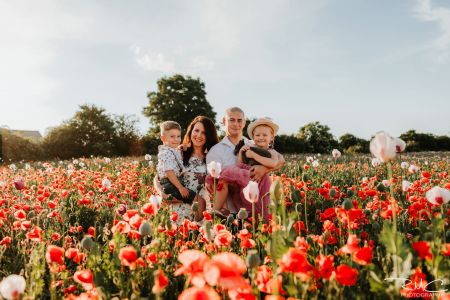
(213, 155)
(269, 162)
(257, 172)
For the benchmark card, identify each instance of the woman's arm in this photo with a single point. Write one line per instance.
(269, 162)
(160, 191)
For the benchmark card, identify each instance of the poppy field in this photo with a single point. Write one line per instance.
(342, 227)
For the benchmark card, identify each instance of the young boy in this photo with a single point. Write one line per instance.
(170, 163)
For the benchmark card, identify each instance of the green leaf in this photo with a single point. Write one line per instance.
(277, 245)
(393, 240)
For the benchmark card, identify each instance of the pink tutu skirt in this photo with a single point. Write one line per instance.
(239, 175)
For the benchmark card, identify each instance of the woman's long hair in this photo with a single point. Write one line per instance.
(210, 134)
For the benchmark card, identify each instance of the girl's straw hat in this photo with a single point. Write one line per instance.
(261, 121)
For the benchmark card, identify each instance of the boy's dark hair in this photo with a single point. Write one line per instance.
(257, 150)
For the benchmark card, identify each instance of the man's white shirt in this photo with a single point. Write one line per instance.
(223, 152)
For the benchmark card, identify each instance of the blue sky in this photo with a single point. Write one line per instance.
(357, 66)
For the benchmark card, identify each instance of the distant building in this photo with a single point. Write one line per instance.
(33, 135)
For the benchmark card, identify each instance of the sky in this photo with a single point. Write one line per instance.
(358, 66)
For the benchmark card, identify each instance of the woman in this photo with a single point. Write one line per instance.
(200, 136)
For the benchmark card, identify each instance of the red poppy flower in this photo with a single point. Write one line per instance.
(325, 265)
(54, 254)
(295, 261)
(6, 241)
(161, 282)
(416, 285)
(85, 278)
(352, 245)
(445, 249)
(346, 275)
(35, 234)
(226, 269)
(363, 256)
(20, 215)
(193, 262)
(195, 293)
(128, 256)
(423, 249)
(223, 238)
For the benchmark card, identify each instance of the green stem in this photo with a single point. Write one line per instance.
(394, 212)
(253, 219)
(306, 214)
(214, 201)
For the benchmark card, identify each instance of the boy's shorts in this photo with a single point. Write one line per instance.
(170, 189)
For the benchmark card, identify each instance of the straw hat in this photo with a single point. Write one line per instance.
(261, 121)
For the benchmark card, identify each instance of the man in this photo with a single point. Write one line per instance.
(223, 152)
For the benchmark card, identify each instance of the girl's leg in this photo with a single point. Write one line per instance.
(221, 196)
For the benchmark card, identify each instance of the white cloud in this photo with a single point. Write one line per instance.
(155, 62)
(425, 11)
(160, 62)
(201, 63)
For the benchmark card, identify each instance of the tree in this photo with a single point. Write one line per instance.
(350, 143)
(290, 144)
(16, 148)
(126, 134)
(179, 99)
(91, 131)
(318, 137)
(419, 141)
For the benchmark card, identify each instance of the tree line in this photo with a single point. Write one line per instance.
(93, 132)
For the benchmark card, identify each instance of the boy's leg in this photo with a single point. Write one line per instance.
(198, 216)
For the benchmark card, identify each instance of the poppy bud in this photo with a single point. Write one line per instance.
(121, 209)
(87, 243)
(309, 240)
(298, 207)
(332, 193)
(195, 207)
(428, 236)
(208, 225)
(19, 184)
(381, 187)
(347, 204)
(145, 229)
(376, 226)
(252, 259)
(350, 193)
(230, 218)
(305, 177)
(242, 214)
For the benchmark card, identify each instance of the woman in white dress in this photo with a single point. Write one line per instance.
(200, 136)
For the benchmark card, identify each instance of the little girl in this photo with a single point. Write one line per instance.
(262, 132)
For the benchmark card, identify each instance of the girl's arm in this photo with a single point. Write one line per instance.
(243, 148)
(269, 162)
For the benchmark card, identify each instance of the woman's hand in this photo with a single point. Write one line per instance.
(183, 147)
(184, 192)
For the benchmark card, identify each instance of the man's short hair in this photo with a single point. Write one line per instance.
(168, 125)
(234, 109)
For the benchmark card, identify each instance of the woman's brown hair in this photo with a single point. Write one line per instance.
(210, 134)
